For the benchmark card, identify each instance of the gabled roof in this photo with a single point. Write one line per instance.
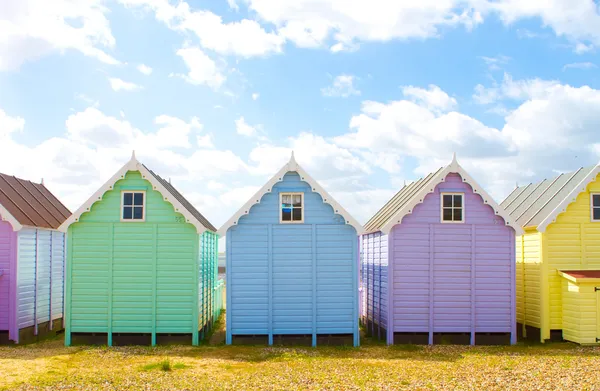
(24, 203)
(291, 166)
(411, 195)
(539, 204)
(169, 193)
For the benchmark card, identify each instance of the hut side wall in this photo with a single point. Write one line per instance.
(7, 265)
(40, 277)
(453, 277)
(134, 277)
(374, 287)
(569, 243)
(292, 278)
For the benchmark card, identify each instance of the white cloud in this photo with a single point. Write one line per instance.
(233, 5)
(433, 98)
(145, 69)
(122, 85)
(496, 63)
(310, 23)
(244, 38)
(205, 141)
(244, 129)
(510, 89)
(255, 96)
(30, 29)
(342, 86)
(202, 69)
(10, 125)
(580, 65)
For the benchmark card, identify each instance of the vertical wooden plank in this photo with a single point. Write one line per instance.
(270, 277)
(379, 268)
(111, 238)
(597, 316)
(545, 293)
(431, 255)
(473, 286)
(154, 281)
(390, 287)
(513, 288)
(524, 286)
(196, 309)
(314, 285)
(68, 284)
(14, 273)
(355, 290)
(228, 271)
(35, 282)
(50, 280)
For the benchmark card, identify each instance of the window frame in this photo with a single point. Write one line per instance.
(132, 220)
(462, 195)
(302, 208)
(592, 207)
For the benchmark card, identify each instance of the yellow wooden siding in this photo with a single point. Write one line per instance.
(573, 242)
(520, 288)
(528, 258)
(580, 312)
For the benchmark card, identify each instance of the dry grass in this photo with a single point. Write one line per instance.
(51, 366)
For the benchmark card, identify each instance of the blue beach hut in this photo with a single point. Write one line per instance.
(292, 263)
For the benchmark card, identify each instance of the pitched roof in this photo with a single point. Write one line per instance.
(291, 166)
(24, 203)
(169, 193)
(538, 204)
(590, 276)
(413, 194)
(167, 185)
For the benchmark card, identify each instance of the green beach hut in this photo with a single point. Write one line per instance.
(141, 264)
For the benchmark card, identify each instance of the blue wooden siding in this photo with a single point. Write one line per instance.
(374, 277)
(40, 276)
(292, 278)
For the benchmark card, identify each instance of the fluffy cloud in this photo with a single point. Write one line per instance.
(9, 125)
(202, 69)
(342, 86)
(511, 89)
(433, 98)
(244, 38)
(30, 29)
(580, 65)
(145, 69)
(122, 85)
(244, 129)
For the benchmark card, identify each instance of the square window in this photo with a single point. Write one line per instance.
(291, 207)
(452, 207)
(133, 206)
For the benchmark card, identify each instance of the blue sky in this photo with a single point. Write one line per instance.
(368, 94)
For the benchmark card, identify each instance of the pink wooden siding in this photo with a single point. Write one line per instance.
(453, 277)
(7, 239)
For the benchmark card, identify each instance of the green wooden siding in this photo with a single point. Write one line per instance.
(138, 277)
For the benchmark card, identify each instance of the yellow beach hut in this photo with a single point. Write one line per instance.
(558, 256)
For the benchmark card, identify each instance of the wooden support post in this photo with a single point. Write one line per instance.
(473, 285)
(314, 285)
(270, 287)
(69, 284)
(35, 282)
(196, 309)
(111, 234)
(228, 272)
(431, 266)
(154, 281)
(390, 287)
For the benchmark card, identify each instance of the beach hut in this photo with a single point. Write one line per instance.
(558, 257)
(438, 264)
(141, 264)
(32, 259)
(292, 264)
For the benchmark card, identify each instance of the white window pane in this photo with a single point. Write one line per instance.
(297, 200)
(286, 199)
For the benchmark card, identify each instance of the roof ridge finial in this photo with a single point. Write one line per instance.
(133, 155)
(454, 158)
(292, 164)
(42, 181)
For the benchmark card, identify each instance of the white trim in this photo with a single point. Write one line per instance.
(291, 166)
(571, 197)
(292, 221)
(133, 220)
(462, 207)
(10, 219)
(133, 165)
(452, 168)
(592, 207)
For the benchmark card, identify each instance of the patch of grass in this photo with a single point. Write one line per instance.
(164, 365)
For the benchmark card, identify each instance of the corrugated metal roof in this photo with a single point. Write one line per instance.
(31, 204)
(184, 202)
(403, 197)
(529, 205)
